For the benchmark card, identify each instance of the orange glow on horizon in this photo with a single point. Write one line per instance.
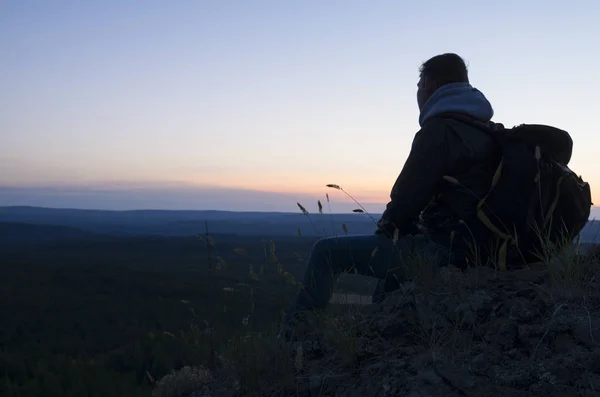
(300, 184)
(363, 193)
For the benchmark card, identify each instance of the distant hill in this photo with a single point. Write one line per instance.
(186, 223)
(12, 233)
(591, 232)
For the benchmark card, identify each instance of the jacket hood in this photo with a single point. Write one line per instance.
(457, 98)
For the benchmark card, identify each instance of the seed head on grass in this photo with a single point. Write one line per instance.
(320, 206)
(253, 275)
(150, 378)
(220, 263)
(289, 278)
(307, 214)
(304, 211)
(338, 187)
(210, 241)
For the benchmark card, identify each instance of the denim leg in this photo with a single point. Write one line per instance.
(371, 255)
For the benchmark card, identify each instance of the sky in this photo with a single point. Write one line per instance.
(255, 105)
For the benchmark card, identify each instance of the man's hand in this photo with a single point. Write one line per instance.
(383, 226)
(389, 229)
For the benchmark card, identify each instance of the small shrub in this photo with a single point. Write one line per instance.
(182, 382)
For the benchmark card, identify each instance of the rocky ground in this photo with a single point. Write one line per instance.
(530, 332)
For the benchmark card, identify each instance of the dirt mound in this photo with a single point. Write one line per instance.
(484, 334)
(474, 333)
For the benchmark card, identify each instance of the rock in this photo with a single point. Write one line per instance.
(590, 381)
(506, 335)
(542, 388)
(564, 375)
(592, 362)
(530, 331)
(429, 377)
(564, 343)
(480, 364)
(477, 306)
(523, 311)
(587, 331)
(518, 377)
(460, 380)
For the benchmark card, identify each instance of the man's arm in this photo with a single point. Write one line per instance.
(420, 177)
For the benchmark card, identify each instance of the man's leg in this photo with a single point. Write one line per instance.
(370, 255)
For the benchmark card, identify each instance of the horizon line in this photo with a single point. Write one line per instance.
(180, 210)
(205, 210)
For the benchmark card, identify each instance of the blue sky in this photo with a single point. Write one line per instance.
(259, 104)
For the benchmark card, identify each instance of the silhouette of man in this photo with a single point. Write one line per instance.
(427, 218)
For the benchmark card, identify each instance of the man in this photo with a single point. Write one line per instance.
(428, 216)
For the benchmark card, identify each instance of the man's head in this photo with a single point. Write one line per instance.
(438, 71)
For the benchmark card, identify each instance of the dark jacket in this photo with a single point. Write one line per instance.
(447, 171)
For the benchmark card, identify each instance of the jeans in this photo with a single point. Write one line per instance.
(372, 255)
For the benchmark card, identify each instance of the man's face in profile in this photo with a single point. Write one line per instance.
(423, 92)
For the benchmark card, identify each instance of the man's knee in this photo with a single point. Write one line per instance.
(322, 256)
(322, 247)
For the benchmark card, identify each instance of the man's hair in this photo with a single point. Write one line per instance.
(445, 69)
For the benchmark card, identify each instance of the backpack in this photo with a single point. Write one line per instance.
(534, 199)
